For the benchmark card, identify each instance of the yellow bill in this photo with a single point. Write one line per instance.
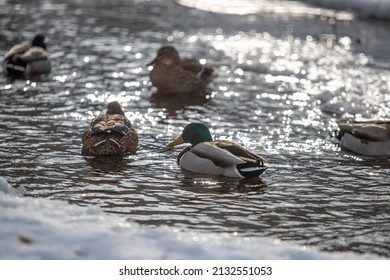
(176, 142)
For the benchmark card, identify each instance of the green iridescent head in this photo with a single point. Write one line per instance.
(194, 133)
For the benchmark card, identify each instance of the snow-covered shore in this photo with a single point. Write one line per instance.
(39, 228)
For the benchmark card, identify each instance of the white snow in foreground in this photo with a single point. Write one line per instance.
(39, 228)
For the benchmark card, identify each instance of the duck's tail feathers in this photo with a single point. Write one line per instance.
(251, 169)
(207, 73)
(15, 67)
(120, 130)
(336, 135)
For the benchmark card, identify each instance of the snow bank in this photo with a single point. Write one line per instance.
(38, 228)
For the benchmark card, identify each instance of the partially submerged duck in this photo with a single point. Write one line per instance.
(216, 157)
(25, 61)
(370, 138)
(110, 133)
(172, 74)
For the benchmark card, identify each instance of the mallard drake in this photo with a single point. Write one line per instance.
(371, 138)
(172, 74)
(110, 133)
(24, 61)
(213, 157)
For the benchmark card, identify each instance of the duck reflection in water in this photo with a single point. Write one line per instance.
(108, 164)
(221, 185)
(177, 103)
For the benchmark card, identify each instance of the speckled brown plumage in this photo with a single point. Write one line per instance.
(110, 133)
(174, 75)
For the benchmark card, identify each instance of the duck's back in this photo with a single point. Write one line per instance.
(222, 157)
(24, 61)
(109, 135)
(205, 72)
(188, 76)
(18, 49)
(372, 131)
(371, 138)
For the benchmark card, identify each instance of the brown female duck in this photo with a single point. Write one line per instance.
(173, 74)
(110, 133)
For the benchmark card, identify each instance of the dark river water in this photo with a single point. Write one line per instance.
(286, 73)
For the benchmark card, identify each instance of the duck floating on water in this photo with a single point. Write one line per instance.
(216, 157)
(172, 74)
(25, 61)
(370, 138)
(110, 133)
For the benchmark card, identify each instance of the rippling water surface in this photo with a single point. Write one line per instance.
(287, 72)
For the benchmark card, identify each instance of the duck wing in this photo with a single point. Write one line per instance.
(253, 164)
(373, 132)
(34, 54)
(204, 72)
(227, 154)
(239, 151)
(110, 124)
(217, 153)
(181, 74)
(369, 130)
(18, 49)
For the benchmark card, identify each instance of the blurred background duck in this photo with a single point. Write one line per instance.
(172, 74)
(25, 61)
(110, 133)
(370, 138)
(213, 157)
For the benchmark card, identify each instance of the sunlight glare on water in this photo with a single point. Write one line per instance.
(245, 7)
(279, 93)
